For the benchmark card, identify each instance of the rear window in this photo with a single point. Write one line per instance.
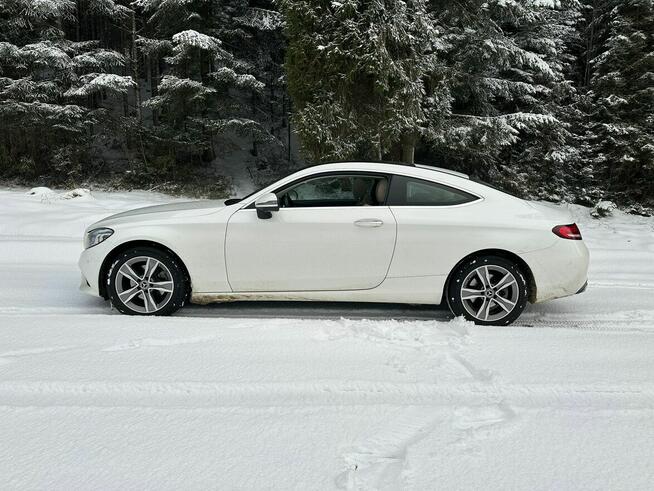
(409, 191)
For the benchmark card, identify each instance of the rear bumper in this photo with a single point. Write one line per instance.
(560, 270)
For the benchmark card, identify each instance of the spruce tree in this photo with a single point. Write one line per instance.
(204, 90)
(505, 64)
(621, 82)
(356, 72)
(47, 84)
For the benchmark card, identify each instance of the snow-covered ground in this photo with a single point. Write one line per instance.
(294, 396)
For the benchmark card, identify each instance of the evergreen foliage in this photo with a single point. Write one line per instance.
(549, 99)
(150, 87)
(622, 92)
(357, 73)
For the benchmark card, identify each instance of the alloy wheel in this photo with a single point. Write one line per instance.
(489, 293)
(144, 284)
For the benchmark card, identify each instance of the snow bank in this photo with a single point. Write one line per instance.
(48, 195)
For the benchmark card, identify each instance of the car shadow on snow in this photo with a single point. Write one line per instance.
(318, 310)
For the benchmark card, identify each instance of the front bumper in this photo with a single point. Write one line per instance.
(90, 263)
(85, 286)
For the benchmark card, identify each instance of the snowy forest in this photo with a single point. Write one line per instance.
(547, 99)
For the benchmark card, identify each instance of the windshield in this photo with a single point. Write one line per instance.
(233, 201)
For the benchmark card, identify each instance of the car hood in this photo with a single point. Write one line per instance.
(170, 210)
(188, 207)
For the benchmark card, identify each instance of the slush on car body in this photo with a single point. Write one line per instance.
(349, 231)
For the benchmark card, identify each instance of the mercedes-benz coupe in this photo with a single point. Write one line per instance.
(349, 231)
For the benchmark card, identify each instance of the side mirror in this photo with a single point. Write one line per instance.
(266, 204)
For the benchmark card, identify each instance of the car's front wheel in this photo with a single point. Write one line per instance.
(488, 290)
(147, 281)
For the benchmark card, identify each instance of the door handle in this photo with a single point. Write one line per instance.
(369, 222)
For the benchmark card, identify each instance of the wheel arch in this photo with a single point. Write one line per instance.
(109, 259)
(511, 256)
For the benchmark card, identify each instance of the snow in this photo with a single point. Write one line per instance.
(47, 54)
(317, 396)
(99, 58)
(244, 81)
(44, 9)
(197, 40)
(96, 82)
(172, 84)
(603, 209)
(265, 20)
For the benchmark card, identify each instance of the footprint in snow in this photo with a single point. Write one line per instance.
(476, 424)
(378, 461)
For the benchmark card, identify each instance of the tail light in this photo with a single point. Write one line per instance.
(568, 231)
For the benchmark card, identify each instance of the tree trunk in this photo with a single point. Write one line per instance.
(590, 46)
(408, 148)
(78, 20)
(289, 136)
(154, 88)
(377, 148)
(135, 69)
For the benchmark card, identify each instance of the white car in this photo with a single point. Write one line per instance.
(350, 231)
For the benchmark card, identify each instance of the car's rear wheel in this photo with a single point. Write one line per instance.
(488, 290)
(147, 281)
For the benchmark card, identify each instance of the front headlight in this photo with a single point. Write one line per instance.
(95, 236)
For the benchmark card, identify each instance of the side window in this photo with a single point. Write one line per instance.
(335, 190)
(408, 191)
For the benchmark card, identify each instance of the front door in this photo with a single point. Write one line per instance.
(331, 233)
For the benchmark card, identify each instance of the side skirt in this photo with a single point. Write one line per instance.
(412, 290)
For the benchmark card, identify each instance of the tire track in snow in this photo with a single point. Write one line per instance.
(323, 393)
(160, 342)
(621, 284)
(599, 325)
(641, 320)
(10, 356)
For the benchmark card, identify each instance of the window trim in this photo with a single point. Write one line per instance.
(318, 175)
(429, 181)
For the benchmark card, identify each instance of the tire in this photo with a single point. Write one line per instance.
(161, 289)
(497, 302)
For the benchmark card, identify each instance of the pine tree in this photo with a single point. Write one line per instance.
(357, 75)
(621, 82)
(204, 91)
(505, 70)
(257, 38)
(151, 82)
(550, 160)
(46, 87)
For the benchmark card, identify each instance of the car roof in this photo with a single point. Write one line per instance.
(442, 169)
(402, 164)
(419, 171)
